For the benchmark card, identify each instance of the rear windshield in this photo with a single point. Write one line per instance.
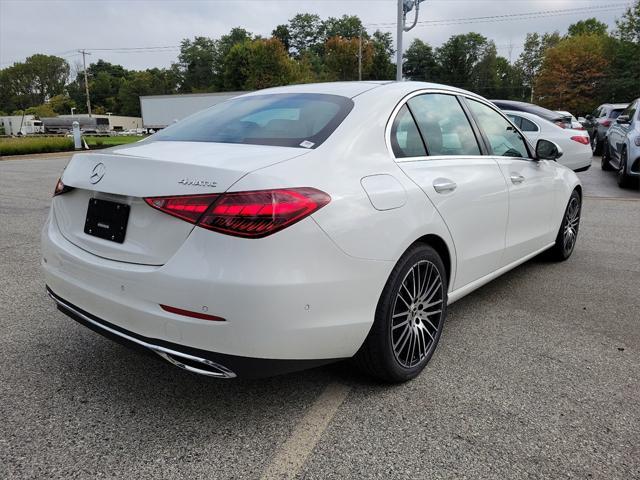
(302, 120)
(615, 113)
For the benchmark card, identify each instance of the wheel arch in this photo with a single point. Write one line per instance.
(440, 246)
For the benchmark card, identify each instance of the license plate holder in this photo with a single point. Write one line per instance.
(107, 220)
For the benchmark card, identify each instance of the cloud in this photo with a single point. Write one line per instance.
(64, 26)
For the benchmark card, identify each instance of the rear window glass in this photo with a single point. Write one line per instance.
(286, 120)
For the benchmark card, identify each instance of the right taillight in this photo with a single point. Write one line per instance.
(252, 214)
(606, 123)
(61, 188)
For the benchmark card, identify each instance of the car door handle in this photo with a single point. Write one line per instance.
(515, 178)
(442, 185)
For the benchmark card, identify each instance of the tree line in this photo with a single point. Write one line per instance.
(576, 71)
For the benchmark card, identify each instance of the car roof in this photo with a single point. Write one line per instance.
(529, 116)
(353, 89)
(528, 107)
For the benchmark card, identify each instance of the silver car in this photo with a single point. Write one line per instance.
(621, 149)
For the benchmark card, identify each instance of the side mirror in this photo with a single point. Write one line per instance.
(546, 150)
(623, 119)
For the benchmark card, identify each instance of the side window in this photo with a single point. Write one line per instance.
(528, 126)
(444, 125)
(504, 140)
(516, 120)
(405, 137)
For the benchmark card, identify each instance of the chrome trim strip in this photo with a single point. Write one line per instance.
(165, 353)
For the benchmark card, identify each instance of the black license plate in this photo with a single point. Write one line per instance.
(107, 220)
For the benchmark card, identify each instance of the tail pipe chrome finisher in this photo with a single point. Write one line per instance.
(209, 368)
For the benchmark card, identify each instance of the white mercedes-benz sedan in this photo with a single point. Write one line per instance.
(301, 225)
(575, 144)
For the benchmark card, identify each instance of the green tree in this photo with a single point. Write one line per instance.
(466, 61)
(590, 26)
(281, 32)
(419, 62)
(306, 32)
(257, 64)
(197, 64)
(381, 66)
(61, 104)
(347, 26)
(531, 58)
(628, 27)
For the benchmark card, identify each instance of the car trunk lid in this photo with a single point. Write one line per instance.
(126, 175)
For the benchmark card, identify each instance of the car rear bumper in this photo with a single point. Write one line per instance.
(211, 364)
(294, 298)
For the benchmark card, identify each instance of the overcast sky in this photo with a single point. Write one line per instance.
(60, 27)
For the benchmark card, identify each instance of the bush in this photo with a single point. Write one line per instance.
(30, 145)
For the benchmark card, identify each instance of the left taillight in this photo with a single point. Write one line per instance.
(61, 188)
(252, 214)
(584, 140)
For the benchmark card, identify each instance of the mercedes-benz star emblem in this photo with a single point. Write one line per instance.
(97, 173)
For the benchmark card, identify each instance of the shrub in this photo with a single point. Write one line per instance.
(30, 145)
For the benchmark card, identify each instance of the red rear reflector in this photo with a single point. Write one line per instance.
(253, 214)
(580, 139)
(188, 313)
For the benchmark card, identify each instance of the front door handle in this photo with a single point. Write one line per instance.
(515, 178)
(442, 185)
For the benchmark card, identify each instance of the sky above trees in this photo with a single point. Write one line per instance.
(63, 26)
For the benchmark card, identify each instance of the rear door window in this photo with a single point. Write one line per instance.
(528, 126)
(444, 126)
(615, 113)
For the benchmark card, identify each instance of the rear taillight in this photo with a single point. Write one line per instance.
(187, 207)
(61, 188)
(580, 139)
(605, 123)
(252, 214)
(560, 123)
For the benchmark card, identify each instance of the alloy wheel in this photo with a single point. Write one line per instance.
(417, 314)
(571, 223)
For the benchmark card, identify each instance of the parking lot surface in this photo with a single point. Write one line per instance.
(537, 376)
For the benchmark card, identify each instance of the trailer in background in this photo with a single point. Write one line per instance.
(64, 124)
(21, 125)
(159, 111)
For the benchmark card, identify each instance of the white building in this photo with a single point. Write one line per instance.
(158, 111)
(116, 122)
(21, 125)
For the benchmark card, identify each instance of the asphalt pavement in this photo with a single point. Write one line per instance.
(537, 375)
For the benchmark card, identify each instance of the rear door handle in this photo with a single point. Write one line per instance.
(442, 185)
(515, 178)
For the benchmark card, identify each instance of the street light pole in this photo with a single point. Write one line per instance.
(400, 28)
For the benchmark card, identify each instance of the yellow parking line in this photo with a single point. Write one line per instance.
(293, 453)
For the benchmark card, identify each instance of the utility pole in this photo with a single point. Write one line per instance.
(360, 57)
(404, 7)
(86, 82)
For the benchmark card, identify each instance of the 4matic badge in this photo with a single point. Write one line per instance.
(197, 183)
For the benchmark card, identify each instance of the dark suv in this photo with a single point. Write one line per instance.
(599, 122)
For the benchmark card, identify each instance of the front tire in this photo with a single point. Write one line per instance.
(606, 157)
(596, 146)
(409, 318)
(624, 180)
(568, 233)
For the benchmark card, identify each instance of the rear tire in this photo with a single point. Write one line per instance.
(625, 180)
(606, 157)
(568, 233)
(409, 318)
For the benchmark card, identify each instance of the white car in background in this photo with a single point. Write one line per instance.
(575, 144)
(575, 122)
(301, 225)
